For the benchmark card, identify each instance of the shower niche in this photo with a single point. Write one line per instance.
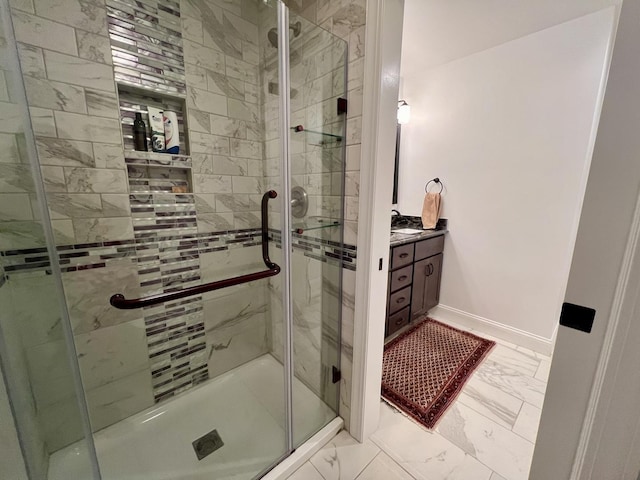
(154, 172)
(133, 100)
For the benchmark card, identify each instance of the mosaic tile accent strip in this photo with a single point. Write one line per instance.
(158, 213)
(175, 338)
(177, 347)
(320, 249)
(97, 255)
(168, 259)
(146, 44)
(175, 331)
(165, 230)
(82, 256)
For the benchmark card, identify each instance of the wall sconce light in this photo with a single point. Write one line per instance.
(404, 112)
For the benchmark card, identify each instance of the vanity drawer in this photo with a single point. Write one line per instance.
(401, 256)
(399, 300)
(398, 320)
(429, 247)
(401, 278)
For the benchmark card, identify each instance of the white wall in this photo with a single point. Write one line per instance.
(508, 131)
(437, 32)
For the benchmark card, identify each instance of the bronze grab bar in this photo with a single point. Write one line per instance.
(273, 269)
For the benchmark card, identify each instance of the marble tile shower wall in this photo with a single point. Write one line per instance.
(345, 19)
(315, 297)
(72, 96)
(221, 50)
(74, 110)
(68, 76)
(317, 62)
(69, 81)
(146, 44)
(224, 120)
(16, 220)
(14, 365)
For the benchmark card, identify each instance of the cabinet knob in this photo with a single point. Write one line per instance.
(400, 300)
(398, 322)
(402, 278)
(404, 255)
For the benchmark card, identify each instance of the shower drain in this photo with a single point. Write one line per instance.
(207, 444)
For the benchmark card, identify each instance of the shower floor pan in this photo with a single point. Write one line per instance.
(245, 406)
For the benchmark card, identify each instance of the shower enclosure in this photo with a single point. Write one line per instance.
(168, 315)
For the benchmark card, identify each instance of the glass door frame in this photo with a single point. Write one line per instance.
(287, 301)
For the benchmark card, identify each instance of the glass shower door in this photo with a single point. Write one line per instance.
(220, 383)
(210, 399)
(318, 62)
(39, 375)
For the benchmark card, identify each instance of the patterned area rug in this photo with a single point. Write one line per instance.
(425, 368)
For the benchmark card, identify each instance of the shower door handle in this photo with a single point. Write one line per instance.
(119, 301)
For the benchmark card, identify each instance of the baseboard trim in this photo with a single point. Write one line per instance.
(503, 332)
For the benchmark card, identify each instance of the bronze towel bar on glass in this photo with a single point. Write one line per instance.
(120, 302)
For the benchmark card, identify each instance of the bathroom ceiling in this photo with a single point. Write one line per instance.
(439, 31)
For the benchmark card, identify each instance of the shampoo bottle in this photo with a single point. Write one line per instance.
(171, 135)
(157, 129)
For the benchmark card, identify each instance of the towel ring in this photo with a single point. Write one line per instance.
(435, 180)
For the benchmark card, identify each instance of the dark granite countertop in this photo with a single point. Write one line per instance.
(407, 221)
(402, 238)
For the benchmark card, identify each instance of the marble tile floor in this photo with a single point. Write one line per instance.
(245, 406)
(488, 434)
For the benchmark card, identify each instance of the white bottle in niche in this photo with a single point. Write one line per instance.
(171, 134)
(157, 129)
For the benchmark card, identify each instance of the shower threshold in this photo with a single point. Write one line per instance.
(246, 408)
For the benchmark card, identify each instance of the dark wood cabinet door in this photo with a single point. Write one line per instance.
(432, 291)
(426, 285)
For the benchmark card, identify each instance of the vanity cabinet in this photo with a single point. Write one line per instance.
(426, 285)
(414, 281)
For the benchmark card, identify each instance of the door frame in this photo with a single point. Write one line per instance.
(612, 374)
(601, 439)
(383, 46)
